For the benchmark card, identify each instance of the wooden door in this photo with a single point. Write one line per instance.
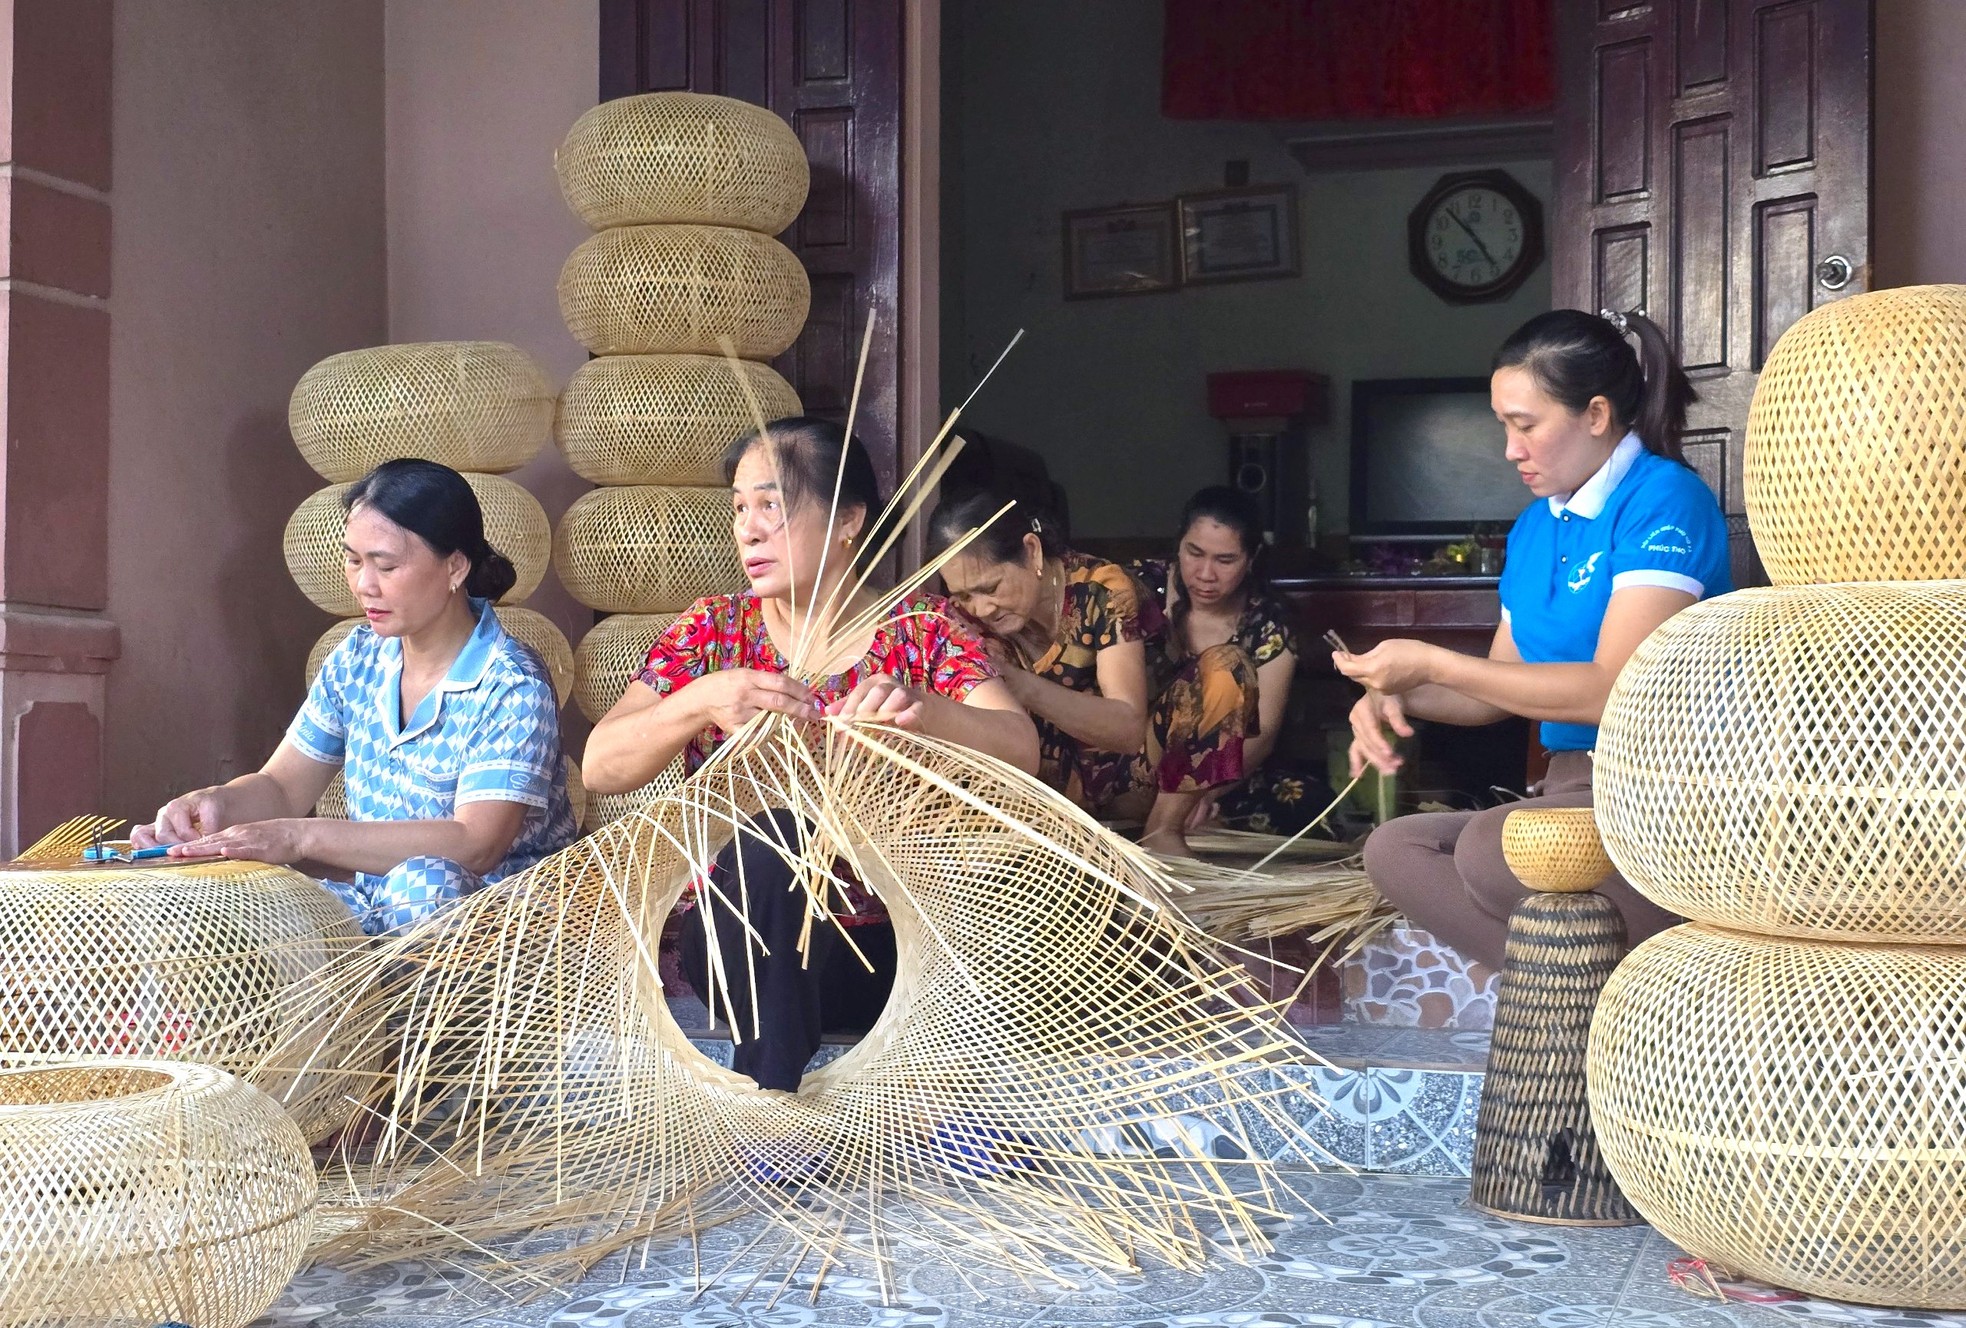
(1713, 170)
(833, 70)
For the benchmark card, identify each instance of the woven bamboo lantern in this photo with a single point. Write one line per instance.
(472, 405)
(141, 1191)
(1536, 1154)
(333, 805)
(655, 290)
(609, 657)
(683, 157)
(646, 549)
(576, 790)
(1793, 1109)
(1788, 760)
(201, 961)
(515, 525)
(662, 419)
(604, 809)
(1856, 441)
(325, 644)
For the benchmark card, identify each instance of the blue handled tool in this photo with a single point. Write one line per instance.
(114, 853)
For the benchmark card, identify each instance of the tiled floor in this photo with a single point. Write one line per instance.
(1396, 1250)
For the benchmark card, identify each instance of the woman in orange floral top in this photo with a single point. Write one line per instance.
(1066, 630)
(725, 660)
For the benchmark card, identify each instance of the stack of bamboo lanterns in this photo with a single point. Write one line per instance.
(684, 192)
(1780, 1086)
(483, 408)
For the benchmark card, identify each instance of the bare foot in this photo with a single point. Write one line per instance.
(1168, 841)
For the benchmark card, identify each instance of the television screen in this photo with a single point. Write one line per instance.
(1427, 459)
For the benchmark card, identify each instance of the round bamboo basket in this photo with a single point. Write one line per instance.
(683, 157)
(1793, 1109)
(610, 655)
(472, 405)
(576, 790)
(1555, 849)
(647, 549)
(1856, 441)
(515, 525)
(676, 290)
(211, 961)
(333, 805)
(1787, 760)
(522, 624)
(663, 419)
(142, 1191)
(1536, 1154)
(604, 809)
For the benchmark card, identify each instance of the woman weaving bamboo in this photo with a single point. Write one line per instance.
(726, 659)
(1622, 536)
(445, 728)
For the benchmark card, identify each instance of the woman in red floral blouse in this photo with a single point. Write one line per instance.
(726, 660)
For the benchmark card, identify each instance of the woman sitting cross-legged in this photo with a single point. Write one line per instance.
(725, 660)
(1220, 657)
(446, 729)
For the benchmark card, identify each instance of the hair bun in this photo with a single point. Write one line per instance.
(492, 575)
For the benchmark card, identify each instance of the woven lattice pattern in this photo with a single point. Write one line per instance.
(333, 805)
(683, 157)
(576, 790)
(663, 419)
(142, 1192)
(515, 525)
(676, 290)
(472, 405)
(1555, 848)
(647, 549)
(604, 809)
(1047, 1000)
(188, 962)
(1792, 1109)
(1856, 443)
(1789, 760)
(609, 657)
(534, 629)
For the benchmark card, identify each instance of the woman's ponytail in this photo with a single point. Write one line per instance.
(1661, 418)
(1576, 357)
(492, 574)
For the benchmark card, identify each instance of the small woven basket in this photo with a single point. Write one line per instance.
(201, 961)
(609, 657)
(472, 405)
(1793, 1109)
(663, 419)
(647, 549)
(522, 624)
(683, 157)
(1555, 849)
(515, 525)
(141, 1191)
(1856, 441)
(675, 290)
(1788, 760)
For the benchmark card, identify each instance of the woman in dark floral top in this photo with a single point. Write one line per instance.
(1220, 654)
(1066, 630)
(724, 661)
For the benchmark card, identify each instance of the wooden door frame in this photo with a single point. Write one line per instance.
(919, 346)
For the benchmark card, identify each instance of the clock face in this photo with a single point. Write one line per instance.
(1474, 237)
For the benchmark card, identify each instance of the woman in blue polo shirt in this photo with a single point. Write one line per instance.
(445, 728)
(1622, 536)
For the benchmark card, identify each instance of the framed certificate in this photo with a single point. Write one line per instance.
(1239, 234)
(1120, 251)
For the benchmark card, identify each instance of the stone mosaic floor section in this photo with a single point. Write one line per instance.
(1396, 1250)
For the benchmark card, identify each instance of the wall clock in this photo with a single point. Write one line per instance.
(1475, 236)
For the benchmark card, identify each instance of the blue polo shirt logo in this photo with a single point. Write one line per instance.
(1642, 520)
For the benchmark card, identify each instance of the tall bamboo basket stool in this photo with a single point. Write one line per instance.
(1536, 1156)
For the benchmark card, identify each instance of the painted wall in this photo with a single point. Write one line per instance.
(1919, 191)
(248, 243)
(1053, 107)
(479, 94)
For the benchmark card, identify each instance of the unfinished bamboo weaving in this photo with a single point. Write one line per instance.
(188, 962)
(1793, 1109)
(1047, 999)
(515, 525)
(521, 624)
(1856, 470)
(143, 1192)
(680, 290)
(604, 809)
(609, 657)
(646, 549)
(472, 405)
(663, 419)
(683, 157)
